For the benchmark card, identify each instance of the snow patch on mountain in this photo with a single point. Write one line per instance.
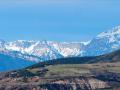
(86, 43)
(112, 35)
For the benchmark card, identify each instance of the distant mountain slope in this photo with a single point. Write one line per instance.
(111, 57)
(10, 63)
(103, 43)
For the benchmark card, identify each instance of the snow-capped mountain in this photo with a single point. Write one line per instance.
(104, 43)
(44, 50)
(37, 51)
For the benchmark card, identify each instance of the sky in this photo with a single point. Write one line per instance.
(57, 20)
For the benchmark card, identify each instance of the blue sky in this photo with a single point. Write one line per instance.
(57, 20)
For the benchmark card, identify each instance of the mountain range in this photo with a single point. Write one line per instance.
(103, 43)
(38, 51)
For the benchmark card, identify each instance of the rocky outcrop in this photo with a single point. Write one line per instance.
(24, 80)
(65, 83)
(79, 83)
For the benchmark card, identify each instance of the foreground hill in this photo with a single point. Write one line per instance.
(64, 77)
(85, 73)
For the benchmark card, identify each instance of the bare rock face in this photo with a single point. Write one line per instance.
(70, 83)
(84, 83)
(94, 84)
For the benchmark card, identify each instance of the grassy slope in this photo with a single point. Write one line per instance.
(76, 66)
(75, 69)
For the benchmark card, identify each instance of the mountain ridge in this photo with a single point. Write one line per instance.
(38, 51)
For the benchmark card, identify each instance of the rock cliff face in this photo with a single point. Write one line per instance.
(84, 83)
(68, 83)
